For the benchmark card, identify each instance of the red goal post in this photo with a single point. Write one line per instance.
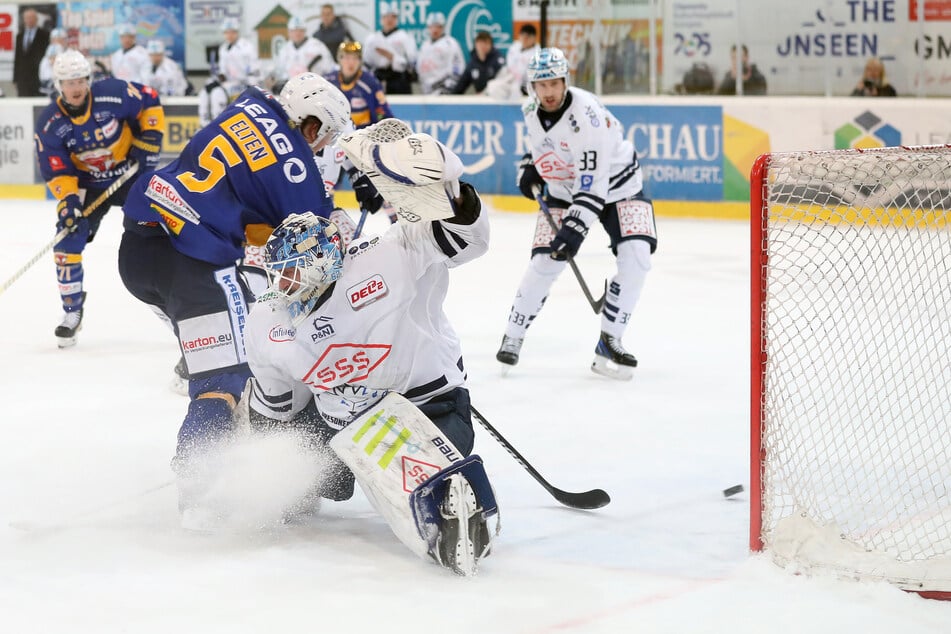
(850, 433)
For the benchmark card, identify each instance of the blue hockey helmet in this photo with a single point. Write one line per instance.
(303, 257)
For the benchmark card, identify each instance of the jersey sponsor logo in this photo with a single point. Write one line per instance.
(322, 328)
(110, 129)
(105, 99)
(365, 244)
(207, 342)
(636, 218)
(255, 147)
(345, 363)
(281, 334)
(174, 223)
(165, 194)
(552, 167)
(415, 472)
(367, 292)
(592, 117)
(56, 163)
(227, 280)
(587, 180)
(97, 160)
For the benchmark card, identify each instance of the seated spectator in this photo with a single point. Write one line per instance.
(300, 54)
(754, 83)
(130, 59)
(46, 70)
(440, 60)
(391, 53)
(873, 82)
(484, 64)
(163, 73)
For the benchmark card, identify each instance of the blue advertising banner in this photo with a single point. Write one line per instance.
(93, 24)
(680, 147)
(463, 20)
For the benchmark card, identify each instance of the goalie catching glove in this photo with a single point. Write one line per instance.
(414, 172)
(70, 214)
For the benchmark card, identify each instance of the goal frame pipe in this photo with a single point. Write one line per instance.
(759, 213)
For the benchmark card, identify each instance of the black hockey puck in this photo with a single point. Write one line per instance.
(733, 490)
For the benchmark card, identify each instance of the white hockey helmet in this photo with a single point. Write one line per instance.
(155, 47)
(436, 18)
(389, 8)
(310, 95)
(126, 29)
(303, 256)
(70, 64)
(295, 23)
(230, 24)
(58, 33)
(548, 63)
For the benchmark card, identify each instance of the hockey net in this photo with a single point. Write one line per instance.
(851, 367)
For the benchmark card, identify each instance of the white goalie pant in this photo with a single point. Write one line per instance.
(624, 289)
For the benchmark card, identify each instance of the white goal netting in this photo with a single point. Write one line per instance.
(852, 329)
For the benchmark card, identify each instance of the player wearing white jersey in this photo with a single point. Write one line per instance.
(591, 173)
(440, 61)
(339, 331)
(391, 52)
(163, 73)
(130, 60)
(302, 53)
(237, 61)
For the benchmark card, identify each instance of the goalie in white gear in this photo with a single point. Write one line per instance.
(337, 332)
(589, 172)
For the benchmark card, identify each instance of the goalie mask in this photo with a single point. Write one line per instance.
(310, 95)
(303, 258)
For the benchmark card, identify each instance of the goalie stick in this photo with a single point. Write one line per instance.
(595, 304)
(593, 499)
(91, 207)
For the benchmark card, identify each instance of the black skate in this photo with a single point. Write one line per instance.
(72, 323)
(508, 352)
(179, 383)
(463, 537)
(612, 360)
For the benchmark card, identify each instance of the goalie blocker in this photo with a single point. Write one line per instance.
(436, 501)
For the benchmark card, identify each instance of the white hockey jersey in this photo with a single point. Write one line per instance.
(439, 65)
(238, 62)
(399, 43)
(311, 55)
(167, 78)
(516, 60)
(381, 328)
(129, 64)
(584, 158)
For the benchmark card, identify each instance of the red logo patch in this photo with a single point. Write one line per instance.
(367, 291)
(345, 363)
(56, 163)
(415, 472)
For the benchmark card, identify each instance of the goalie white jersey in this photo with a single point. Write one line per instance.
(584, 157)
(380, 328)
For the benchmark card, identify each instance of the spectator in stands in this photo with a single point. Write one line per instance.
(391, 53)
(31, 43)
(362, 89)
(873, 82)
(440, 60)
(484, 64)
(332, 31)
(301, 54)
(753, 81)
(130, 60)
(46, 70)
(163, 73)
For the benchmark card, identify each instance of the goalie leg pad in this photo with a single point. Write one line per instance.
(391, 449)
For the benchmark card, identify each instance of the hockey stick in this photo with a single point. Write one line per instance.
(119, 182)
(593, 499)
(595, 304)
(359, 229)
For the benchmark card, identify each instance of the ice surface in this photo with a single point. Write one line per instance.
(89, 535)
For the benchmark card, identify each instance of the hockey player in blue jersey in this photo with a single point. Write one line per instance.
(86, 139)
(186, 225)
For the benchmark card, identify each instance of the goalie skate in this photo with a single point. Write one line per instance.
(464, 537)
(612, 360)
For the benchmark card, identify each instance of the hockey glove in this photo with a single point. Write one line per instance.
(145, 153)
(568, 240)
(69, 213)
(528, 177)
(367, 195)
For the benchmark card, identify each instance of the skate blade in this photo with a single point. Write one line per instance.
(506, 368)
(200, 520)
(608, 368)
(65, 342)
(179, 386)
(461, 505)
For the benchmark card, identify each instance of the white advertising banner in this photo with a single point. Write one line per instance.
(812, 46)
(16, 141)
(8, 36)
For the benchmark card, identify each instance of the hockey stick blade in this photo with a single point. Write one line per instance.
(596, 305)
(593, 499)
